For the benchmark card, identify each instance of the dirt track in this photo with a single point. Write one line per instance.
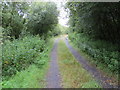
(53, 76)
(103, 80)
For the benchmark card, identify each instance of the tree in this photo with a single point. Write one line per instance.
(97, 20)
(12, 18)
(42, 18)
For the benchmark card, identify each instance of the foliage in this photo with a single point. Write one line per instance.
(63, 29)
(57, 30)
(19, 54)
(43, 18)
(29, 78)
(96, 20)
(25, 34)
(94, 28)
(101, 51)
(12, 18)
(19, 18)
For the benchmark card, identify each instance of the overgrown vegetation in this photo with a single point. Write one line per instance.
(19, 54)
(25, 39)
(26, 42)
(21, 18)
(0, 57)
(12, 18)
(72, 73)
(32, 77)
(42, 18)
(25, 62)
(94, 29)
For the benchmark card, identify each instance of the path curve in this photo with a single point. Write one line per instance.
(53, 76)
(92, 70)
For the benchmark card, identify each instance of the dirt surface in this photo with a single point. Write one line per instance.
(103, 80)
(53, 76)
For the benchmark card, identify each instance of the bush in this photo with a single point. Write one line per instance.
(19, 54)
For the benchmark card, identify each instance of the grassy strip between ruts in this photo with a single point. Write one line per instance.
(72, 73)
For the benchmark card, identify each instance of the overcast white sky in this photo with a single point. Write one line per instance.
(63, 15)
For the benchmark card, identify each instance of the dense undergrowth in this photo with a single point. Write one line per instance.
(103, 53)
(23, 59)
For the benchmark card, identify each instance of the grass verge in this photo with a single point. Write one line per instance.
(72, 73)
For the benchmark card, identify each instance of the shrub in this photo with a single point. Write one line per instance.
(19, 54)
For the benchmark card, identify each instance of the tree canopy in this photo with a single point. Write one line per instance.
(12, 17)
(36, 18)
(42, 18)
(97, 20)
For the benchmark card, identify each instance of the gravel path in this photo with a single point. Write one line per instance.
(53, 76)
(104, 81)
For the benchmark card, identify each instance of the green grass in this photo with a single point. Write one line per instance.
(72, 73)
(33, 77)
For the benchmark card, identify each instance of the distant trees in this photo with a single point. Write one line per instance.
(97, 20)
(42, 18)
